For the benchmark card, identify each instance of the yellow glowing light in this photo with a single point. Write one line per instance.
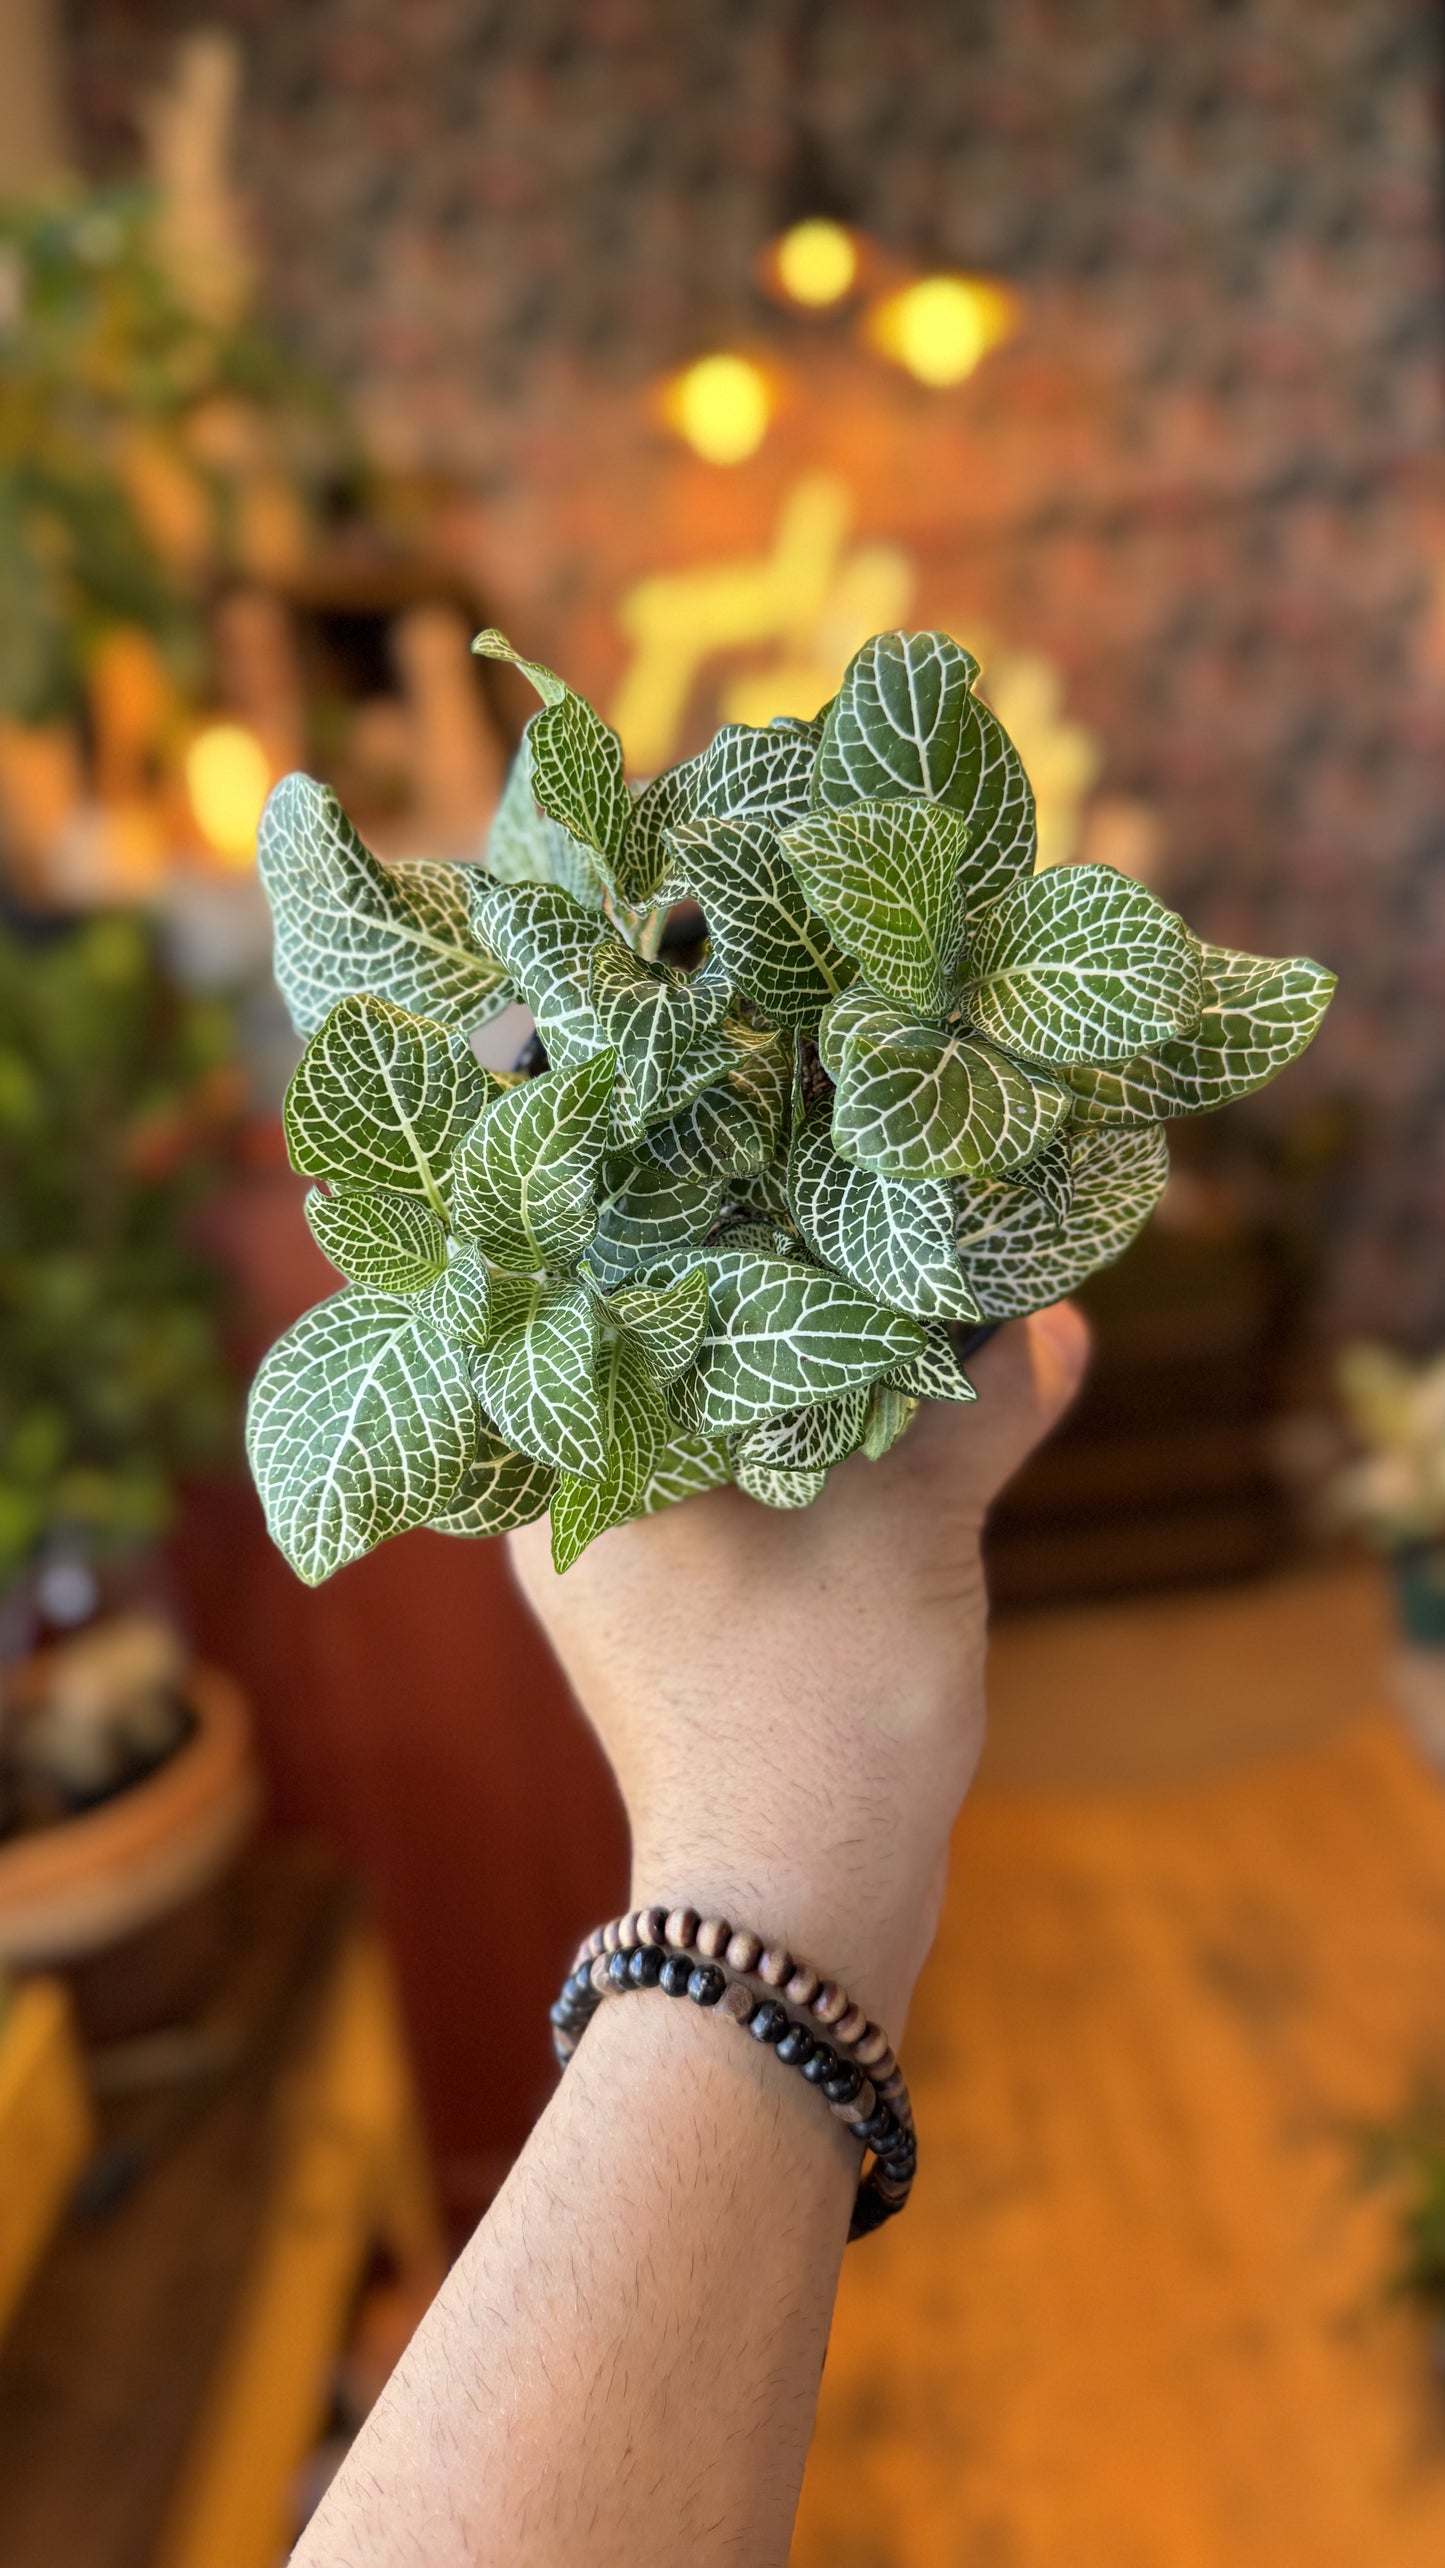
(817, 261)
(228, 777)
(943, 326)
(721, 406)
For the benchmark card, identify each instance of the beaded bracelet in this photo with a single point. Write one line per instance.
(875, 2121)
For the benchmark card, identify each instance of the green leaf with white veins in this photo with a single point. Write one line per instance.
(810, 1439)
(382, 1098)
(1257, 1016)
(888, 879)
(459, 1302)
(758, 921)
(734, 1125)
(650, 1462)
(666, 1028)
(391, 1241)
(344, 922)
(761, 772)
(936, 1374)
(914, 1100)
(779, 1336)
(361, 1423)
(577, 770)
(993, 796)
(1020, 1260)
(898, 723)
(647, 1214)
(665, 1321)
(537, 1375)
(895, 1239)
(524, 846)
(1081, 964)
(662, 806)
(890, 1415)
(499, 1491)
(773, 1488)
(544, 941)
(524, 1181)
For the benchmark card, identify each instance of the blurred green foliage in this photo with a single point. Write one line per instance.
(1409, 2155)
(97, 348)
(115, 1095)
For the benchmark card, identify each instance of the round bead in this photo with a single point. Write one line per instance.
(598, 1971)
(674, 1975)
(822, 2064)
(609, 1935)
(737, 2002)
(681, 1928)
(593, 1945)
(706, 1984)
(775, 1964)
(870, 2046)
(644, 1966)
(830, 2002)
(619, 1970)
(579, 1986)
(844, 2084)
(796, 2046)
(744, 1948)
(627, 1932)
(768, 2021)
(652, 1925)
(560, 2014)
(713, 1937)
(849, 2026)
(803, 1986)
(860, 2107)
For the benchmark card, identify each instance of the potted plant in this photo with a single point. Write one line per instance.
(125, 1777)
(1394, 1493)
(757, 1195)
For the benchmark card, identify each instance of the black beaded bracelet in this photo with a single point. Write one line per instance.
(874, 2124)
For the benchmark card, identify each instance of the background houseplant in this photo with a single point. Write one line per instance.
(910, 1085)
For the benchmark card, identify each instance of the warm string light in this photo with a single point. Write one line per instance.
(816, 262)
(228, 777)
(941, 327)
(721, 407)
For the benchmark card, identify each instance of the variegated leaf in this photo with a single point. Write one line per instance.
(734, 1126)
(1081, 964)
(777, 1488)
(361, 1422)
(538, 1374)
(993, 796)
(647, 1214)
(524, 1181)
(544, 941)
(810, 1439)
(345, 922)
(758, 920)
(382, 1098)
(650, 1461)
(666, 1029)
(459, 1302)
(391, 1241)
(1257, 1016)
(524, 846)
(665, 1321)
(935, 1374)
(916, 1100)
(779, 1336)
(890, 1415)
(499, 1491)
(898, 722)
(577, 772)
(661, 806)
(1021, 1261)
(887, 877)
(1050, 1175)
(764, 772)
(895, 1239)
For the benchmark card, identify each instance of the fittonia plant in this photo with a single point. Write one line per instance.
(732, 1229)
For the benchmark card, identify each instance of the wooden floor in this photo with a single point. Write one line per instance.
(1135, 2316)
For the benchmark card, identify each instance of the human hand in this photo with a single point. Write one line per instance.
(793, 1702)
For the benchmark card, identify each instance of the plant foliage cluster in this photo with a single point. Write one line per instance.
(732, 1230)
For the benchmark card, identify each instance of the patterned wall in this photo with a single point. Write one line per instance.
(1203, 481)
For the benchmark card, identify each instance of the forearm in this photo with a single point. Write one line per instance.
(624, 2364)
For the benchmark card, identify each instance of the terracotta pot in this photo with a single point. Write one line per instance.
(127, 1900)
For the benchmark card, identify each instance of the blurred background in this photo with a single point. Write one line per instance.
(692, 347)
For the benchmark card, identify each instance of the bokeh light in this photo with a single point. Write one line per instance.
(817, 262)
(942, 327)
(721, 406)
(228, 777)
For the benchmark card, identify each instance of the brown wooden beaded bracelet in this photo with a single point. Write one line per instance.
(850, 2094)
(748, 1956)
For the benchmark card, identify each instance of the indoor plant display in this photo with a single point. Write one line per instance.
(908, 1086)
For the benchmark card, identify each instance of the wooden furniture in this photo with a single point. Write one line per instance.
(1140, 2310)
(169, 2367)
(45, 2128)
